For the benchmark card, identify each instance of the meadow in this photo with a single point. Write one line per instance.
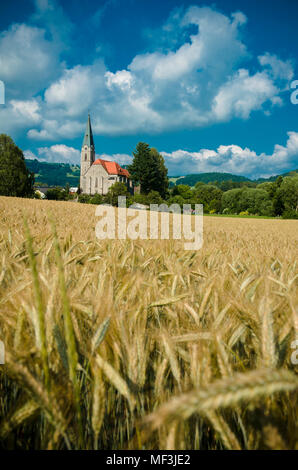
(140, 344)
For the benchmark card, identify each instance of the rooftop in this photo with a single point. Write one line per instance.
(112, 168)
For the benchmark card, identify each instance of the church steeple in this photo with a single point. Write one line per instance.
(88, 138)
(87, 153)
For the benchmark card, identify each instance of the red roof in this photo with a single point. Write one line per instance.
(112, 168)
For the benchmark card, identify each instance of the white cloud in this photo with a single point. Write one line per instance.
(121, 158)
(279, 69)
(18, 115)
(28, 62)
(235, 159)
(195, 84)
(28, 109)
(243, 94)
(76, 90)
(52, 130)
(122, 79)
(55, 154)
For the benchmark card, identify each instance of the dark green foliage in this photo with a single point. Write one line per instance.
(146, 199)
(57, 194)
(288, 193)
(117, 189)
(210, 196)
(149, 170)
(15, 179)
(154, 198)
(96, 199)
(54, 174)
(84, 198)
(184, 191)
(254, 201)
(191, 180)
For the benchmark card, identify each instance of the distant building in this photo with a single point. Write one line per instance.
(97, 176)
(40, 194)
(43, 189)
(73, 190)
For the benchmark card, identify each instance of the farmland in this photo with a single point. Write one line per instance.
(142, 345)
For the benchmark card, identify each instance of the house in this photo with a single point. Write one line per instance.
(73, 190)
(39, 194)
(98, 175)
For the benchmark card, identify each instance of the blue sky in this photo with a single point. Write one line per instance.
(206, 83)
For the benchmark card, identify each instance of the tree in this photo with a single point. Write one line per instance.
(15, 178)
(117, 189)
(288, 195)
(154, 198)
(208, 195)
(255, 201)
(230, 201)
(56, 194)
(96, 199)
(184, 191)
(162, 182)
(276, 196)
(148, 169)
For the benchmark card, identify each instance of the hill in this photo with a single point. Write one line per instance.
(273, 178)
(54, 174)
(191, 180)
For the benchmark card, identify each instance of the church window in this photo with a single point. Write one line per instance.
(96, 182)
(85, 157)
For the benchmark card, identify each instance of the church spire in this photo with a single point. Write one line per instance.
(88, 138)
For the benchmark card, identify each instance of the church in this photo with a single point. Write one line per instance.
(97, 176)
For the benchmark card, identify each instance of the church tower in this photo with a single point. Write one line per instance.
(87, 152)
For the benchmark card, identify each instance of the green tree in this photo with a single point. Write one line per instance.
(15, 178)
(84, 198)
(117, 189)
(56, 194)
(287, 193)
(230, 201)
(208, 195)
(254, 201)
(148, 169)
(96, 199)
(162, 180)
(184, 191)
(154, 198)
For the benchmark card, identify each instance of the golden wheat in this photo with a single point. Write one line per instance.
(139, 344)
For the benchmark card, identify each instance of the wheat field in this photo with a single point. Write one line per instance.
(140, 344)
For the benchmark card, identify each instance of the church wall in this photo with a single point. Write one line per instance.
(97, 180)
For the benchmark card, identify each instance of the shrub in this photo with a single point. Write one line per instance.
(56, 194)
(289, 214)
(84, 198)
(96, 199)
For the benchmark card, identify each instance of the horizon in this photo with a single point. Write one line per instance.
(210, 85)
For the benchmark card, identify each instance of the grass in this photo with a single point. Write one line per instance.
(140, 344)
